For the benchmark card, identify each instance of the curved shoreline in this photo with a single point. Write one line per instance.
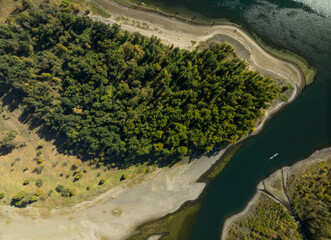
(266, 188)
(171, 187)
(283, 55)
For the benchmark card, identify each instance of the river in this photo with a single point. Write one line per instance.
(304, 126)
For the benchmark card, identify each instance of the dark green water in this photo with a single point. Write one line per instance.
(301, 128)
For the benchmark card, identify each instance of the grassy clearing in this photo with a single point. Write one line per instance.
(173, 227)
(6, 7)
(37, 155)
(93, 7)
(98, 10)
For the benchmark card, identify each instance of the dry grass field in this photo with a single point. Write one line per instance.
(36, 159)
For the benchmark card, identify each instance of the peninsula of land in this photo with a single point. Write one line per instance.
(292, 203)
(117, 213)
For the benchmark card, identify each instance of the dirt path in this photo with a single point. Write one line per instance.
(117, 213)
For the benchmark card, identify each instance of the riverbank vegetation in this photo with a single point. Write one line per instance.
(117, 95)
(311, 201)
(269, 220)
(307, 217)
(174, 226)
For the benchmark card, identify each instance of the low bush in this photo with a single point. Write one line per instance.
(39, 182)
(59, 188)
(124, 176)
(2, 195)
(26, 182)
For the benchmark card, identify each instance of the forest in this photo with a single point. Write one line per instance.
(269, 220)
(307, 217)
(119, 96)
(311, 201)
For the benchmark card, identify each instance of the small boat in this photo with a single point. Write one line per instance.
(275, 155)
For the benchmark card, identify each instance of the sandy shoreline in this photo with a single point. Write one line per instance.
(262, 188)
(171, 187)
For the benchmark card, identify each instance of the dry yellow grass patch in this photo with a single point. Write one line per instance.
(23, 163)
(6, 7)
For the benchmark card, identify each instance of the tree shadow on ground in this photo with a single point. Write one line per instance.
(13, 99)
(10, 97)
(4, 150)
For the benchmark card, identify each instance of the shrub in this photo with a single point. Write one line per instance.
(38, 192)
(26, 182)
(39, 182)
(78, 176)
(41, 145)
(88, 187)
(50, 192)
(25, 168)
(72, 192)
(68, 192)
(40, 161)
(65, 192)
(59, 188)
(87, 12)
(18, 199)
(123, 177)
(39, 153)
(8, 141)
(38, 170)
(33, 198)
(76, 8)
(102, 181)
(75, 172)
(19, 196)
(2, 195)
(73, 167)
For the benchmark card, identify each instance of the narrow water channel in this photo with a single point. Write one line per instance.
(303, 27)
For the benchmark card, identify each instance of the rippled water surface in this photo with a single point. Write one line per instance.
(303, 27)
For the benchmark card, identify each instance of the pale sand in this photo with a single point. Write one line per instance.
(171, 187)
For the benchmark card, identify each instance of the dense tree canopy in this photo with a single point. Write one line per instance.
(311, 201)
(118, 94)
